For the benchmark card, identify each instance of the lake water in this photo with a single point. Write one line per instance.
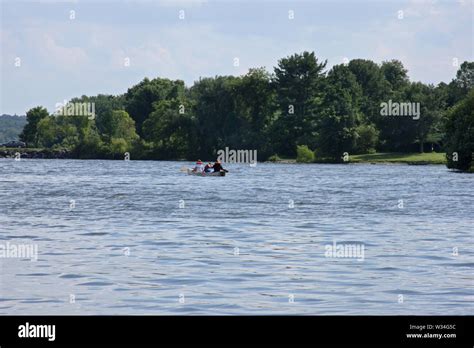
(141, 237)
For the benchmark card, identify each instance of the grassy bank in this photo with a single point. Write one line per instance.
(408, 158)
(384, 157)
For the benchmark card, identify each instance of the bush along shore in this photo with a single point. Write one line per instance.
(34, 153)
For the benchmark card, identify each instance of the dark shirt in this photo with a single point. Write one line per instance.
(217, 167)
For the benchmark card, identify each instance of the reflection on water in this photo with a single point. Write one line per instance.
(117, 237)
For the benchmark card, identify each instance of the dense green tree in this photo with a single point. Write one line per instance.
(102, 103)
(299, 83)
(117, 124)
(400, 133)
(217, 119)
(367, 138)
(395, 74)
(375, 87)
(63, 131)
(409, 132)
(117, 148)
(255, 107)
(171, 129)
(91, 146)
(50, 132)
(139, 99)
(451, 93)
(336, 131)
(465, 77)
(428, 127)
(118, 133)
(30, 131)
(460, 134)
(412, 129)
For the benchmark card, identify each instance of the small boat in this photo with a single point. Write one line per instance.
(190, 172)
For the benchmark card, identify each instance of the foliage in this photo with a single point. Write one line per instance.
(340, 114)
(304, 154)
(139, 99)
(30, 131)
(299, 106)
(299, 83)
(274, 158)
(460, 134)
(366, 138)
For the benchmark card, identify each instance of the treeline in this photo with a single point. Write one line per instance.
(301, 102)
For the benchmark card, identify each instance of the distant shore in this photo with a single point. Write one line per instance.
(376, 158)
(6, 152)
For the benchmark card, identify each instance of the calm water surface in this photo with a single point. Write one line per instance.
(144, 238)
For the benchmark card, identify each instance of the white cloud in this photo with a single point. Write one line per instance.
(200, 47)
(68, 58)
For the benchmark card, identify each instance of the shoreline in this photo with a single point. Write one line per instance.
(430, 158)
(31, 153)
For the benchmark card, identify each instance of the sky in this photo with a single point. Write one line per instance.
(52, 51)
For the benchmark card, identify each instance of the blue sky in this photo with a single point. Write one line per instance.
(63, 58)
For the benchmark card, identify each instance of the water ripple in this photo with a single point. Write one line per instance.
(144, 238)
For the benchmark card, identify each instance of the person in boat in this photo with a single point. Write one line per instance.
(198, 167)
(208, 168)
(218, 167)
